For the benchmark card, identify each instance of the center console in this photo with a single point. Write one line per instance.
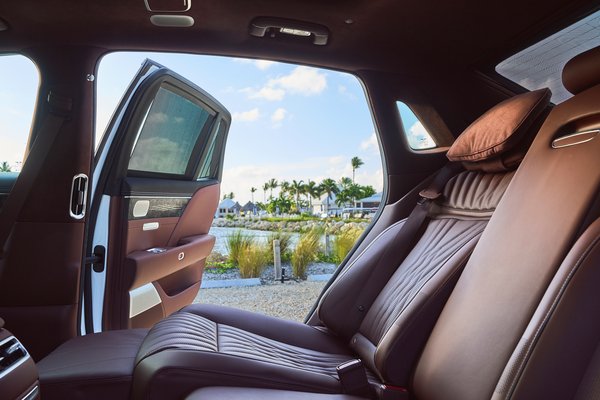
(18, 373)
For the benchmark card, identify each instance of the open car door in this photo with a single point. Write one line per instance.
(155, 190)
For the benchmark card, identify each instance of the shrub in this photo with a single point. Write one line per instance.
(217, 263)
(236, 242)
(285, 242)
(306, 252)
(252, 259)
(343, 242)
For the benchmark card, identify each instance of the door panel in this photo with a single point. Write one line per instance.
(163, 179)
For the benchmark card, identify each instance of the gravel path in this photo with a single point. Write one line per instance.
(268, 273)
(289, 300)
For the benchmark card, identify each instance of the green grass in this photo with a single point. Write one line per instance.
(252, 260)
(306, 251)
(236, 243)
(343, 242)
(285, 241)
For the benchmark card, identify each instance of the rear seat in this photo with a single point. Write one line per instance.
(380, 309)
(522, 321)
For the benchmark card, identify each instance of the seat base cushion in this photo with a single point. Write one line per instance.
(210, 345)
(98, 366)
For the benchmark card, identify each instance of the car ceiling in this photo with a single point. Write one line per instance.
(407, 36)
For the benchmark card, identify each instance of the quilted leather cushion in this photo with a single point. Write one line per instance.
(500, 129)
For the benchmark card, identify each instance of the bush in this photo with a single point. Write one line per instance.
(343, 242)
(217, 263)
(236, 243)
(285, 242)
(306, 252)
(252, 260)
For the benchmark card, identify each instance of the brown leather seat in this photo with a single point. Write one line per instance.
(522, 320)
(380, 309)
(514, 324)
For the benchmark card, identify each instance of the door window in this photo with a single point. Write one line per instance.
(169, 133)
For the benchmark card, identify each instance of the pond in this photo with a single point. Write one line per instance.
(261, 236)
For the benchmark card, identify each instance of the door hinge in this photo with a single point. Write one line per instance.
(96, 260)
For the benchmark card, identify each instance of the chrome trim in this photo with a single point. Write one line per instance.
(150, 226)
(85, 195)
(141, 208)
(556, 142)
(18, 363)
(142, 299)
(186, 3)
(33, 393)
(158, 197)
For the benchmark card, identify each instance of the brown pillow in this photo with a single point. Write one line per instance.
(500, 129)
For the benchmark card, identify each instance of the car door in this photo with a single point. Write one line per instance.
(155, 190)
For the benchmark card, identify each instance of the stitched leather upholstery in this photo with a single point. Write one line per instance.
(391, 330)
(188, 331)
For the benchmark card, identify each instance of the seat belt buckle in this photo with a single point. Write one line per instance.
(353, 378)
(390, 392)
(428, 194)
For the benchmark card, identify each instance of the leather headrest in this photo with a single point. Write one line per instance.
(498, 140)
(582, 71)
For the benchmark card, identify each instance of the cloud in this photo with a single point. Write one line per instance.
(279, 115)
(302, 80)
(418, 137)
(263, 64)
(260, 64)
(343, 90)
(370, 143)
(265, 93)
(246, 116)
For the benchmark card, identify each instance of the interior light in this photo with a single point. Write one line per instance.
(295, 32)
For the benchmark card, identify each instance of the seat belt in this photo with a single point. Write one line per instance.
(416, 219)
(59, 110)
(352, 374)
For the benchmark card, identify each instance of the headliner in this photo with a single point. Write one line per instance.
(387, 35)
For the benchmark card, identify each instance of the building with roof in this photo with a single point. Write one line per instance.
(228, 207)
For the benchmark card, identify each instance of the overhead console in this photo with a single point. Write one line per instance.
(18, 373)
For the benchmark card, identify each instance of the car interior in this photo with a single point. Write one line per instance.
(477, 279)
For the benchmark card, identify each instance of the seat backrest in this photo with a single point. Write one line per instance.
(530, 233)
(385, 304)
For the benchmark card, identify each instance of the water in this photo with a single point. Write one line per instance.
(221, 234)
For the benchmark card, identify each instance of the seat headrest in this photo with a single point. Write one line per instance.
(498, 140)
(582, 71)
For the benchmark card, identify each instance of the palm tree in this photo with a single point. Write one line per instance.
(330, 187)
(356, 163)
(5, 167)
(345, 182)
(285, 187)
(312, 190)
(265, 187)
(252, 190)
(296, 188)
(272, 185)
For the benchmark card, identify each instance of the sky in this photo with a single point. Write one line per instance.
(288, 121)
